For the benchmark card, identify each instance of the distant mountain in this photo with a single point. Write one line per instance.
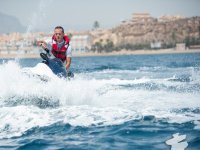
(10, 24)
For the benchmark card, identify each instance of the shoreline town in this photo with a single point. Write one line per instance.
(142, 34)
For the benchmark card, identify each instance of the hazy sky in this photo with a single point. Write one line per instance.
(81, 14)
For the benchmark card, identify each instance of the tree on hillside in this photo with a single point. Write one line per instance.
(174, 37)
(109, 46)
(96, 25)
(199, 31)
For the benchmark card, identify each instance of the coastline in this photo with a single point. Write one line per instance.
(114, 53)
(138, 52)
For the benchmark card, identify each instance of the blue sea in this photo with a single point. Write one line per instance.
(141, 102)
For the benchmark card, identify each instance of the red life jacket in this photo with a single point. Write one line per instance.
(60, 53)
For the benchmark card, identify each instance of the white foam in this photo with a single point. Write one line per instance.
(197, 123)
(87, 101)
(16, 120)
(177, 142)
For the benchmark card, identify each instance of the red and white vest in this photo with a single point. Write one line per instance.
(60, 53)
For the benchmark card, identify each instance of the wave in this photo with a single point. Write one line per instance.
(98, 98)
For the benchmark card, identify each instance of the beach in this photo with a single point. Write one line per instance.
(122, 52)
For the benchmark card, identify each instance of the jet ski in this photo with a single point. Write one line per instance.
(49, 68)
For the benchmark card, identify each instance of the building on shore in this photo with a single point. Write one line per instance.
(180, 46)
(141, 17)
(168, 18)
(81, 42)
(156, 45)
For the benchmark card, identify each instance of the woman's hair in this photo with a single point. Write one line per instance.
(59, 27)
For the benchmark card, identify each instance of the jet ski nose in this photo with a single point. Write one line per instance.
(56, 66)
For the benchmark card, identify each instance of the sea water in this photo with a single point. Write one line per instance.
(114, 102)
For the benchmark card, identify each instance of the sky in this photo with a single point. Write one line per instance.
(81, 14)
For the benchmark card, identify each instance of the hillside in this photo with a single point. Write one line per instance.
(141, 33)
(10, 24)
(155, 31)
